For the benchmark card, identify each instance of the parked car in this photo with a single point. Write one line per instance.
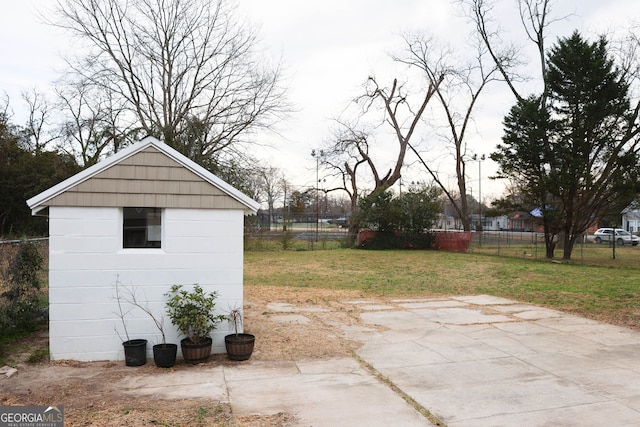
(623, 237)
(340, 222)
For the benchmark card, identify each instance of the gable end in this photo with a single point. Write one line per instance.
(147, 178)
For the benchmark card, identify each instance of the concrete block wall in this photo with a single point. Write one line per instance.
(86, 259)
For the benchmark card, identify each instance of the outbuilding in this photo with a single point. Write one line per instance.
(145, 218)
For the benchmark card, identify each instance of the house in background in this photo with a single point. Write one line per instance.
(489, 223)
(147, 218)
(631, 217)
(525, 221)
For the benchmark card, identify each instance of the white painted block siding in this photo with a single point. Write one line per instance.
(202, 246)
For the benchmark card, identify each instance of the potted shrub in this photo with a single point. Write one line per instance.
(164, 354)
(239, 345)
(192, 312)
(135, 351)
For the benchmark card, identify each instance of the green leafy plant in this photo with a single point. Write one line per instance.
(400, 222)
(192, 312)
(23, 305)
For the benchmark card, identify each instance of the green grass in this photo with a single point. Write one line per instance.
(608, 291)
(38, 355)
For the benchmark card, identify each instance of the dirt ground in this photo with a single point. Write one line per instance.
(89, 398)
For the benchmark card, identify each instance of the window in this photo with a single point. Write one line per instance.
(142, 228)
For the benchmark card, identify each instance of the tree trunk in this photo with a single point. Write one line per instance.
(354, 228)
(549, 243)
(569, 243)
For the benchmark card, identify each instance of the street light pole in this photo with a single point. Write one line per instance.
(317, 154)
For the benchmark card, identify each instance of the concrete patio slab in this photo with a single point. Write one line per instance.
(537, 314)
(484, 300)
(328, 393)
(208, 383)
(526, 366)
(432, 304)
(375, 307)
(470, 361)
(462, 316)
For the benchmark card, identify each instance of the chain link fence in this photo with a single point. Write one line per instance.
(526, 244)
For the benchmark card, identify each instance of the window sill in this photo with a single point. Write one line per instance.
(142, 251)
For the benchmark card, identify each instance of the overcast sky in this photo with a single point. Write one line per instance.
(328, 48)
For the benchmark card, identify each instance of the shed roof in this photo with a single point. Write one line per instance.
(147, 173)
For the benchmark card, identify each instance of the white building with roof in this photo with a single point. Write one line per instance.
(147, 217)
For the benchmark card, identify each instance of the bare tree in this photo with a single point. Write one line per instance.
(176, 63)
(536, 17)
(93, 125)
(272, 186)
(286, 202)
(458, 96)
(351, 151)
(38, 126)
(345, 157)
(401, 116)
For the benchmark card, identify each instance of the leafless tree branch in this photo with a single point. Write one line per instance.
(176, 63)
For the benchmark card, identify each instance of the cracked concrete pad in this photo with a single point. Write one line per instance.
(470, 404)
(483, 369)
(325, 397)
(621, 356)
(336, 366)
(537, 314)
(562, 362)
(206, 382)
(396, 319)
(485, 300)
(462, 316)
(263, 370)
(360, 302)
(357, 332)
(600, 414)
(433, 304)
(461, 348)
(383, 355)
(514, 308)
(470, 361)
(375, 307)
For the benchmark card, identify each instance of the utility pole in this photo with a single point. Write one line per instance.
(317, 154)
(480, 160)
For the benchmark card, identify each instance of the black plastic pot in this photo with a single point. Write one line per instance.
(239, 347)
(196, 353)
(164, 355)
(135, 352)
